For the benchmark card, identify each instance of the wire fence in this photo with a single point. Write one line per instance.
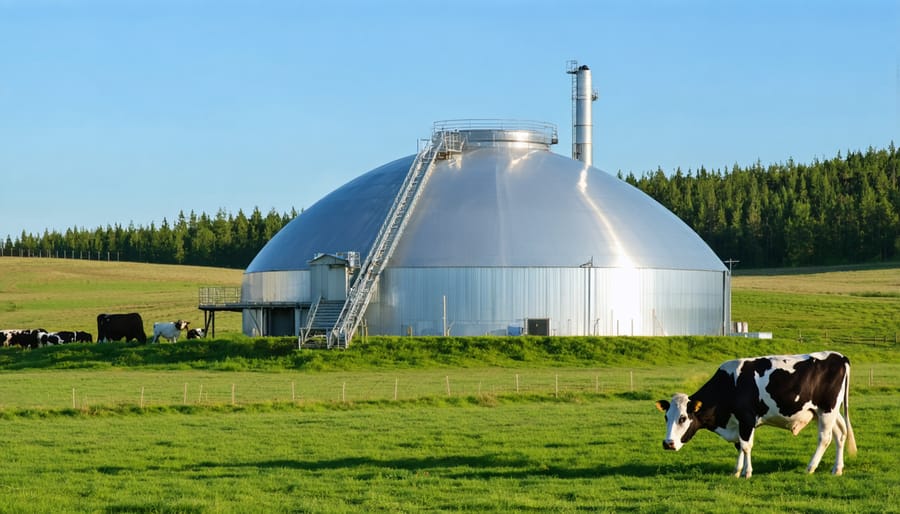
(53, 253)
(166, 389)
(102, 388)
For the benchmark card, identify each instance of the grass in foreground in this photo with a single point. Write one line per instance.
(598, 454)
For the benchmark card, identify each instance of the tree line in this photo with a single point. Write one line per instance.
(223, 240)
(843, 210)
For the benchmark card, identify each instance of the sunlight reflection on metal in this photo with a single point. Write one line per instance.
(622, 258)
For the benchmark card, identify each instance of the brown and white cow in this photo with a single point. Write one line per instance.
(785, 391)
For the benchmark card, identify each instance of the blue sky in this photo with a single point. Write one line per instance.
(121, 111)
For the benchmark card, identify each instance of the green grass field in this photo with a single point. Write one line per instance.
(60, 294)
(418, 425)
(573, 454)
(862, 304)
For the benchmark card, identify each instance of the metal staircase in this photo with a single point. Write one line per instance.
(325, 317)
(443, 145)
(323, 314)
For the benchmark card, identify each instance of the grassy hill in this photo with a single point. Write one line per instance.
(66, 294)
(847, 303)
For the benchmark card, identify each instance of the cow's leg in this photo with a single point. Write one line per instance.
(840, 438)
(745, 446)
(826, 427)
(739, 467)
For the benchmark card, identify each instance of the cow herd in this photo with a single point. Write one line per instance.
(110, 327)
(33, 338)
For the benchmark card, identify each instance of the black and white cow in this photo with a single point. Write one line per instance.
(50, 339)
(196, 333)
(112, 327)
(29, 338)
(785, 391)
(7, 335)
(65, 336)
(169, 329)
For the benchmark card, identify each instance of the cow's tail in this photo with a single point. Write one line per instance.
(851, 440)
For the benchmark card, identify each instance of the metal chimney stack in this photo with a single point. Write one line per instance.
(582, 117)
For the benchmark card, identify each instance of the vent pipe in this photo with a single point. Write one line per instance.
(582, 117)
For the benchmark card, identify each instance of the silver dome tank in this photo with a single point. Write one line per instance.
(503, 233)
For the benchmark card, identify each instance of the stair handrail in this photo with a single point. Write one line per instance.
(385, 242)
(310, 317)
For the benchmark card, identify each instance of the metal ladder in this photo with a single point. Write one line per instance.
(443, 144)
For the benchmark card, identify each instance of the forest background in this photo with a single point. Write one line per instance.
(843, 210)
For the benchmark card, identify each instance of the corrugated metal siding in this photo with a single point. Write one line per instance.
(488, 300)
(276, 286)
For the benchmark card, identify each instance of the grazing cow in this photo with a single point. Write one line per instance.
(196, 333)
(112, 327)
(785, 391)
(169, 329)
(6, 336)
(25, 338)
(65, 336)
(49, 339)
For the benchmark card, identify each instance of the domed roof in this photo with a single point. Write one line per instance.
(498, 204)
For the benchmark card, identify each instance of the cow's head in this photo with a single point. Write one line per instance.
(181, 324)
(681, 420)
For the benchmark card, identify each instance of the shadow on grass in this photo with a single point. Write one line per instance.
(498, 466)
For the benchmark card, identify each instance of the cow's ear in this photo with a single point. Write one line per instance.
(662, 405)
(695, 405)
